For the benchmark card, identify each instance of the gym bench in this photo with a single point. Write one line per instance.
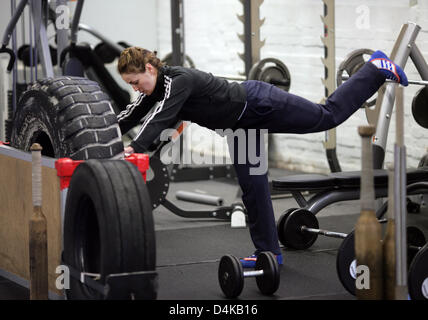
(344, 186)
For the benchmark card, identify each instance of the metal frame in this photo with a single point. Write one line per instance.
(329, 81)
(324, 198)
(98, 35)
(177, 32)
(404, 48)
(251, 36)
(39, 31)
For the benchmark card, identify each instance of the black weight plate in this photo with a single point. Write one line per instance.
(418, 275)
(415, 237)
(157, 181)
(268, 283)
(281, 223)
(293, 235)
(274, 72)
(420, 107)
(346, 263)
(105, 52)
(230, 276)
(268, 69)
(351, 64)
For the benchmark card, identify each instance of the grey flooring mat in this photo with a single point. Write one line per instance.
(188, 262)
(310, 273)
(188, 251)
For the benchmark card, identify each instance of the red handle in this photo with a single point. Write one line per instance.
(65, 167)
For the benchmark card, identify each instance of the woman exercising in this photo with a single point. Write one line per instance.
(172, 94)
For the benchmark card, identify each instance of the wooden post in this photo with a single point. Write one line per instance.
(38, 233)
(389, 242)
(368, 246)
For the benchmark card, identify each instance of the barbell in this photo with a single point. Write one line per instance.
(299, 229)
(354, 61)
(416, 82)
(269, 70)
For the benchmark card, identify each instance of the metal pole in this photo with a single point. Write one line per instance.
(248, 52)
(251, 36)
(23, 41)
(15, 69)
(329, 81)
(254, 273)
(76, 19)
(41, 39)
(11, 26)
(416, 82)
(400, 201)
(30, 32)
(62, 32)
(199, 198)
(400, 56)
(177, 29)
(36, 31)
(327, 233)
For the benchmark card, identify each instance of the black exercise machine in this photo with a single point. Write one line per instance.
(341, 186)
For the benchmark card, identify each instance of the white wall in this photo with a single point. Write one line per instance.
(292, 31)
(133, 21)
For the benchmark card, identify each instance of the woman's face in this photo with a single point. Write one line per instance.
(143, 82)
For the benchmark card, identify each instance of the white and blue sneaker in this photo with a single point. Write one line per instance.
(389, 68)
(250, 262)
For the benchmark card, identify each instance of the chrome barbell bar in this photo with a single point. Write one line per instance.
(417, 82)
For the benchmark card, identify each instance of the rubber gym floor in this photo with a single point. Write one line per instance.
(189, 250)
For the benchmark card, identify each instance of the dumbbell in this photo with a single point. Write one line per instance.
(299, 229)
(346, 263)
(231, 274)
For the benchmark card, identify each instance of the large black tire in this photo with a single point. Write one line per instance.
(68, 117)
(108, 225)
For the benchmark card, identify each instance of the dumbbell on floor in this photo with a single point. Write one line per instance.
(231, 274)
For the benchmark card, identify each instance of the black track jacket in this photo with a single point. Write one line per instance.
(183, 94)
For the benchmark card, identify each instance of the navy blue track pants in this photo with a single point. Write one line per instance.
(277, 111)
